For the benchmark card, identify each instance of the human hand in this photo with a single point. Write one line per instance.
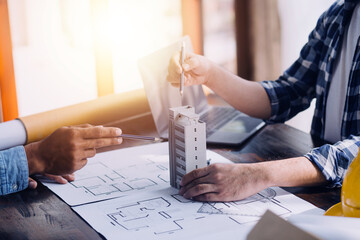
(59, 179)
(196, 69)
(67, 149)
(223, 182)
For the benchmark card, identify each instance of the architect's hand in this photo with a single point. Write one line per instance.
(196, 69)
(228, 182)
(56, 178)
(223, 182)
(67, 149)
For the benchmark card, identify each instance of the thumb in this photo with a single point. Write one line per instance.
(32, 183)
(191, 62)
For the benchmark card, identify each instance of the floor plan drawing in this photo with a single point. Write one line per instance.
(106, 177)
(164, 213)
(139, 215)
(118, 181)
(127, 193)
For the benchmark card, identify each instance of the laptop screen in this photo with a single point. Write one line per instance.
(161, 95)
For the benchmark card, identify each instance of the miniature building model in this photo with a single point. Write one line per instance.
(187, 143)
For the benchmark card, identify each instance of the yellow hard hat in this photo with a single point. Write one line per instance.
(350, 193)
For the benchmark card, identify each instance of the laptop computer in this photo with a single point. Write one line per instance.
(225, 125)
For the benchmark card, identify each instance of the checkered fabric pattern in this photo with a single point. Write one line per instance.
(308, 78)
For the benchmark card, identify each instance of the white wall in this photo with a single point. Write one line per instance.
(298, 19)
(53, 53)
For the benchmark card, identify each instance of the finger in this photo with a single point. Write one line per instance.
(189, 80)
(198, 181)
(32, 183)
(100, 132)
(174, 65)
(69, 177)
(86, 125)
(88, 153)
(101, 142)
(81, 164)
(191, 176)
(191, 62)
(208, 197)
(173, 77)
(56, 178)
(198, 190)
(175, 85)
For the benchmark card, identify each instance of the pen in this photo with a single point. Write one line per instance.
(182, 70)
(139, 137)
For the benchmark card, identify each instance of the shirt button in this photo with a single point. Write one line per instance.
(14, 187)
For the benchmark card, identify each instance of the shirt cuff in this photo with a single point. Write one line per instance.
(274, 103)
(13, 133)
(14, 171)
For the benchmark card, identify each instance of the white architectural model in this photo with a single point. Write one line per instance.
(187, 143)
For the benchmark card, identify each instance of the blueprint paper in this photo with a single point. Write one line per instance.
(163, 214)
(126, 193)
(120, 173)
(117, 173)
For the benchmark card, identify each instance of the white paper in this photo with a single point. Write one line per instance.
(163, 214)
(328, 227)
(120, 173)
(127, 193)
(117, 173)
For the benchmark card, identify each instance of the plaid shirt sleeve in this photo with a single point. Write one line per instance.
(333, 160)
(295, 89)
(14, 172)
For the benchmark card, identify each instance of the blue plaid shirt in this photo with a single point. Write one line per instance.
(309, 77)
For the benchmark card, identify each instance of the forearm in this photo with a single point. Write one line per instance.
(247, 96)
(291, 172)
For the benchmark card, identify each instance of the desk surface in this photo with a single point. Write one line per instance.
(39, 214)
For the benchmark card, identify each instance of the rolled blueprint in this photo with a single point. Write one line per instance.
(104, 110)
(12, 133)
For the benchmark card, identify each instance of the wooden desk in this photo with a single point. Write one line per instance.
(39, 214)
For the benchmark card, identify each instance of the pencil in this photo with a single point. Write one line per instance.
(182, 71)
(139, 137)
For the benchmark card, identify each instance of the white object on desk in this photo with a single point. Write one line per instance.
(12, 134)
(187, 143)
(328, 227)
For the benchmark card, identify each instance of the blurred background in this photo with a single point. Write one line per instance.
(62, 52)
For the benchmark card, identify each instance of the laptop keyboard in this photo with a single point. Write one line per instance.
(217, 117)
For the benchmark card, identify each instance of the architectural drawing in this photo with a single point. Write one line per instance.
(147, 214)
(107, 177)
(164, 213)
(127, 193)
(187, 143)
(159, 215)
(115, 180)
